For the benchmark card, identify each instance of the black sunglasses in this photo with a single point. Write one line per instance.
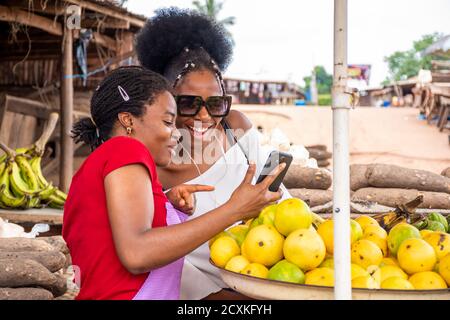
(189, 106)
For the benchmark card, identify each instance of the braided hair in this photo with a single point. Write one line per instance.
(126, 89)
(178, 41)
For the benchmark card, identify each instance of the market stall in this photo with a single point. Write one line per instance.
(289, 251)
(57, 53)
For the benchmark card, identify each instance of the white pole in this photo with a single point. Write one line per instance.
(341, 172)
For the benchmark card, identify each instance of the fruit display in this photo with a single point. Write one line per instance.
(22, 184)
(288, 242)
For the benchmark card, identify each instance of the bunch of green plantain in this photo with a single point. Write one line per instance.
(435, 222)
(22, 184)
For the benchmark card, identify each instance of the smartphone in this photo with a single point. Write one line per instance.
(275, 158)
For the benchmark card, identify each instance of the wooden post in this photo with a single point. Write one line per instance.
(66, 164)
(124, 45)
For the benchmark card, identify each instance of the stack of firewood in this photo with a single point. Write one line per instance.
(31, 269)
(391, 185)
(309, 184)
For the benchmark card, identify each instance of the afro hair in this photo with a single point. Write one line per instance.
(164, 37)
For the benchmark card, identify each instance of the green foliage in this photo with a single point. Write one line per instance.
(324, 99)
(324, 80)
(406, 64)
(211, 8)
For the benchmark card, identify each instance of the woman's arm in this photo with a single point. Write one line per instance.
(130, 207)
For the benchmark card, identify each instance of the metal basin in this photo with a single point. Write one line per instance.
(276, 290)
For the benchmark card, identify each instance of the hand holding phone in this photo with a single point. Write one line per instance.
(275, 158)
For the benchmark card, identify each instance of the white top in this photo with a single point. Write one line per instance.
(200, 278)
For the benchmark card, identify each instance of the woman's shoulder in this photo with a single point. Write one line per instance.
(237, 120)
(123, 142)
(119, 151)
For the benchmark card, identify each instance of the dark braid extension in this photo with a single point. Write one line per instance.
(126, 89)
(219, 76)
(187, 67)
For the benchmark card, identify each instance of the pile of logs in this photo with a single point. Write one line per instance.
(320, 153)
(446, 172)
(309, 184)
(31, 269)
(392, 185)
(381, 184)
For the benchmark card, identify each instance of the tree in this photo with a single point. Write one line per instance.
(324, 80)
(406, 64)
(211, 8)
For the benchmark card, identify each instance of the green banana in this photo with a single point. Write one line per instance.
(2, 167)
(61, 194)
(22, 183)
(55, 202)
(23, 151)
(47, 187)
(27, 172)
(47, 192)
(18, 185)
(35, 164)
(6, 197)
(55, 206)
(32, 202)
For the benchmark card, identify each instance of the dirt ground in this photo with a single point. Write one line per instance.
(377, 135)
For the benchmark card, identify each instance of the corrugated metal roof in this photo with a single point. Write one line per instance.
(114, 4)
(440, 46)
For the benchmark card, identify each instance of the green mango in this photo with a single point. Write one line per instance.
(439, 218)
(435, 226)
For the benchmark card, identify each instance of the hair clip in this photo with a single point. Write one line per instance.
(186, 49)
(123, 93)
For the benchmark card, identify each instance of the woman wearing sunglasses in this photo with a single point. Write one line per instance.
(217, 143)
(126, 239)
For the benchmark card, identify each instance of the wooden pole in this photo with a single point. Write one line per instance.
(66, 164)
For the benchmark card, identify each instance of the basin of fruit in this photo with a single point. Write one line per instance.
(287, 253)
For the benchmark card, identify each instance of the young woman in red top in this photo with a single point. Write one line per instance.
(124, 237)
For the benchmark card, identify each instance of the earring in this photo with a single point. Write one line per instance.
(129, 130)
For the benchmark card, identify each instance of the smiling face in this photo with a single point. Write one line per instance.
(199, 83)
(156, 128)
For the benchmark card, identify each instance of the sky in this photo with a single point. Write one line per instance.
(284, 39)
